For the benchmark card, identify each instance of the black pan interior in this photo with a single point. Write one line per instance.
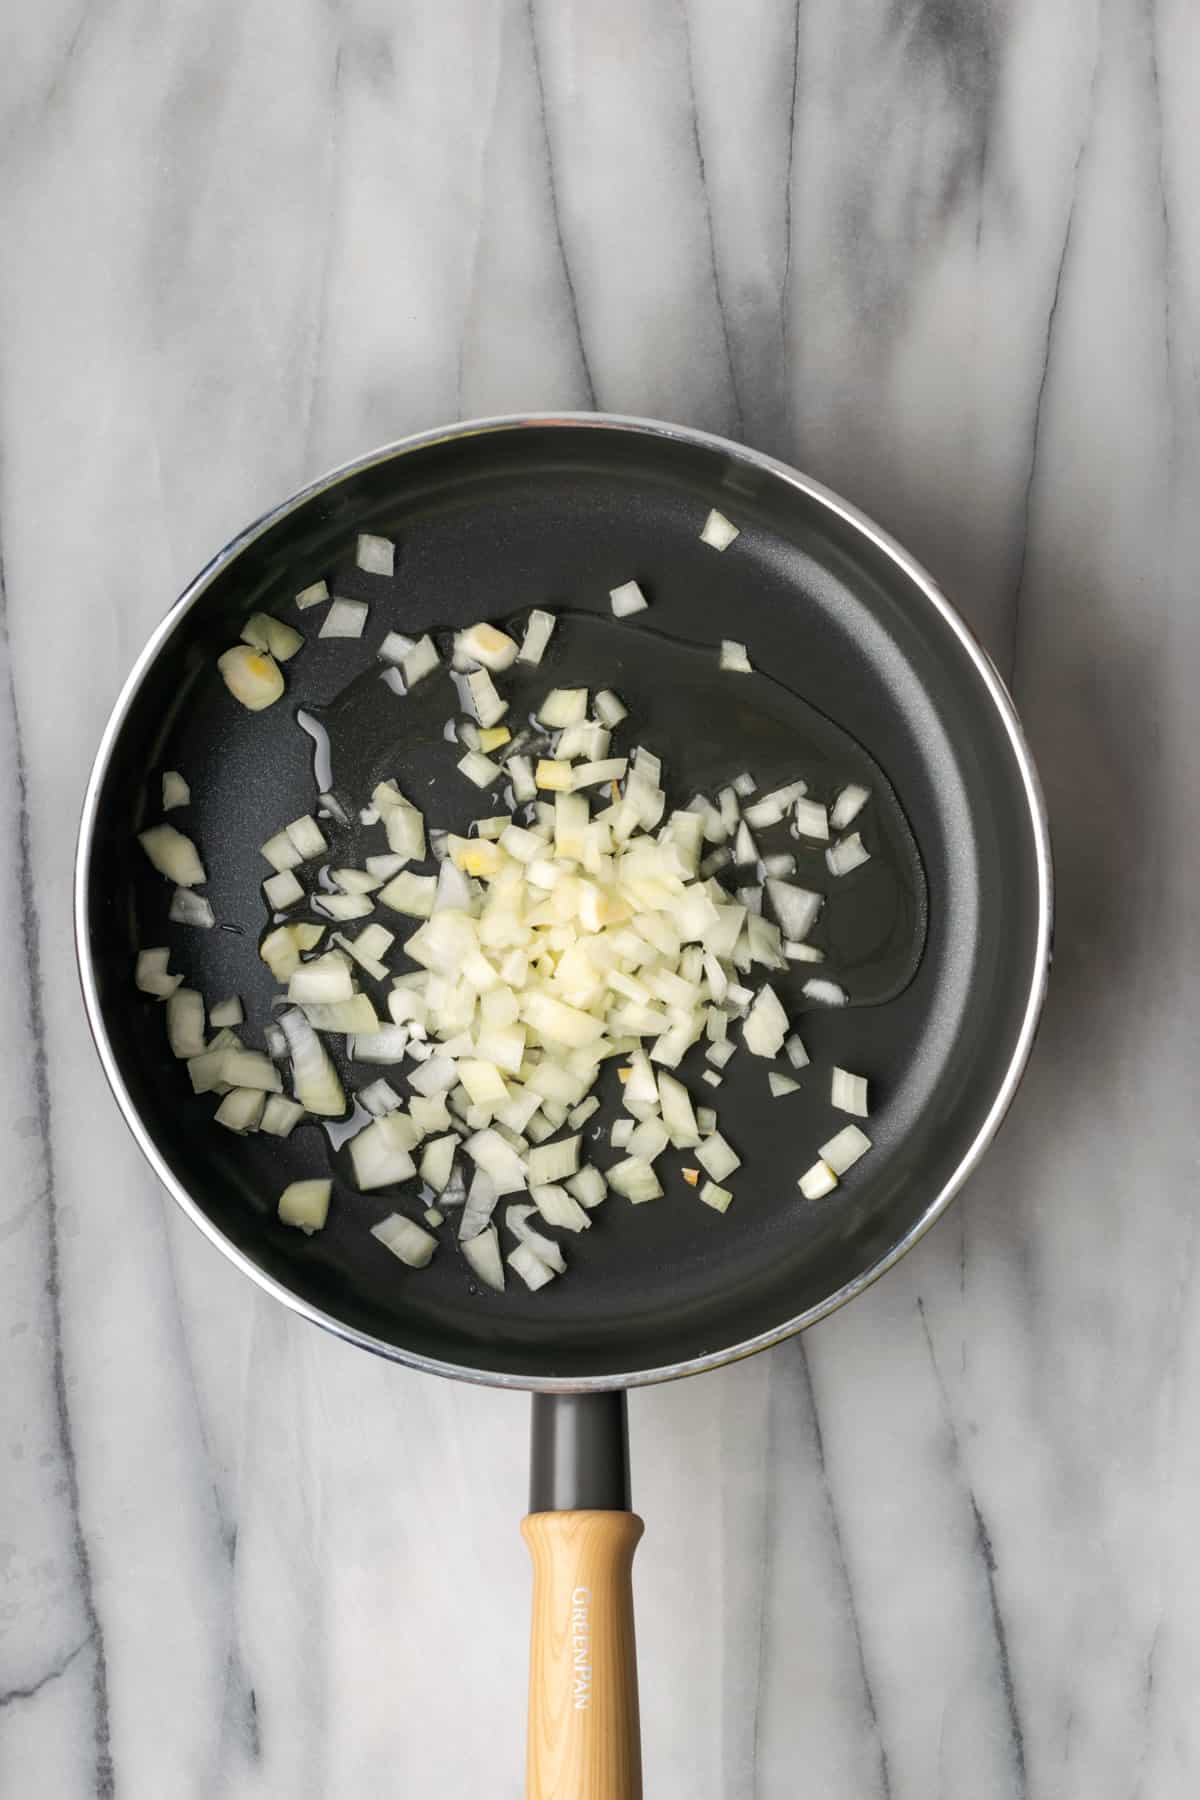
(487, 525)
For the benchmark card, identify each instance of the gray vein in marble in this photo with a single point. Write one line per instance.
(835, 1531)
(738, 429)
(1036, 431)
(30, 1692)
(555, 216)
(30, 934)
(987, 1555)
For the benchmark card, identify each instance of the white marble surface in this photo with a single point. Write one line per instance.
(947, 258)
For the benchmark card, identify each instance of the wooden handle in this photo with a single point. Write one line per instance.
(584, 1741)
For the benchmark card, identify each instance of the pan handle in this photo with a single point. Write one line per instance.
(584, 1740)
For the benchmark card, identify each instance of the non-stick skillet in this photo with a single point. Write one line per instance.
(490, 518)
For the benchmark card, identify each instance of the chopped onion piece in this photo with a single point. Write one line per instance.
(280, 1116)
(175, 790)
(407, 1240)
(489, 1152)
(818, 1181)
(281, 853)
(609, 709)
(252, 677)
(847, 854)
(635, 1179)
(620, 1132)
(395, 647)
(520, 770)
(559, 1208)
(733, 657)
(282, 891)
(437, 1162)
(377, 555)
(379, 1097)
(479, 768)
(564, 706)
(538, 632)
(385, 866)
(812, 820)
(305, 1204)
(793, 1049)
(342, 906)
(380, 1153)
(151, 975)
(588, 1186)
(386, 1045)
(796, 908)
(489, 707)
(355, 881)
(265, 633)
(324, 979)
(307, 838)
(553, 1162)
(720, 1054)
(524, 1261)
(313, 595)
(421, 661)
(188, 908)
(781, 1085)
(849, 1093)
(485, 644)
(185, 1022)
(766, 1025)
(481, 1204)
(226, 1012)
(848, 805)
(706, 1119)
(627, 599)
(314, 1077)
(845, 1148)
(807, 953)
(777, 866)
(173, 855)
(580, 1114)
(825, 993)
(482, 1252)
(410, 894)
(716, 1197)
(717, 1157)
(712, 1078)
(718, 532)
(678, 1117)
(345, 619)
(241, 1109)
(372, 942)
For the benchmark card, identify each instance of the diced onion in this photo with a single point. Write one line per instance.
(588, 1186)
(187, 908)
(380, 1153)
(538, 632)
(845, 1148)
(847, 854)
(252, 677)
(849, 1093)
(848, 805)
(407, 1240)
(282, 891)
(305, 1204)
(812, 821)
(793, 1049)
(345, 619)
(609, 709)
(716, 1197)
(489, 707)
(314, 1077)
(377, 555)
(421, 661)
(525, 1262)
(241, 1110)
(173, 855)
(226, 1012)
(818, 1181)
(635, 1179)
(479, 768)
(265, 633)
(151, 975)
(766, 1025)
(313, 595)
(781, 1085)
(307, 837)
(718, 532)
(280, 1116)
(342, 906)
(627, 599)
(796, 908)
(486, 645)
(734, 659)
(825, 993)
(410, 894)
(717, 1157)
(185, 1022)
(482, 1252)
(175, 790)
(559, 1208)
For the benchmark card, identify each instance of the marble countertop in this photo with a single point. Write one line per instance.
(946, 259)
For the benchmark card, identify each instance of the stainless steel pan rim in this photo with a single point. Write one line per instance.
(921, 582)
